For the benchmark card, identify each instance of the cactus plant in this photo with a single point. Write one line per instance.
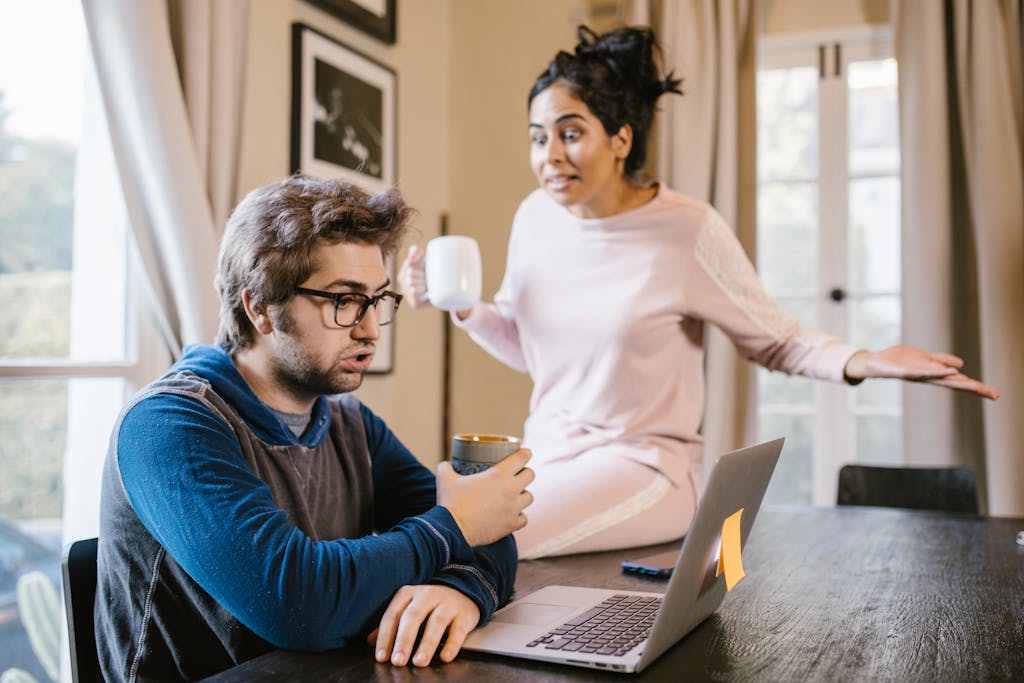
(39, 606)
(17, 676)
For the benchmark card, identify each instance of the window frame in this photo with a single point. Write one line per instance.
(136, 353)
(834, 406)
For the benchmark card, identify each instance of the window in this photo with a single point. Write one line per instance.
(70, 332)
(829, 245)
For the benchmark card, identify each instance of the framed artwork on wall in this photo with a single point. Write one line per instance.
(343, 126)
(343, 112)
(375, 17)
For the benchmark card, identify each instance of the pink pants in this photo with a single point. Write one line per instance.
(602, 501)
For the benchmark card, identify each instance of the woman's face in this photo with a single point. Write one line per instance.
(575, 161)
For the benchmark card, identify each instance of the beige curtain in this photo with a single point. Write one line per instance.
(706, 143)
(171, 76)
(962, 132)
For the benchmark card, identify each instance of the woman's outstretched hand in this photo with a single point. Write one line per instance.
(916, 365)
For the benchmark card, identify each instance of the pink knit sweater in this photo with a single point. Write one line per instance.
(607, 316)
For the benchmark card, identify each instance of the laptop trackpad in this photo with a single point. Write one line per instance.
(534, 614)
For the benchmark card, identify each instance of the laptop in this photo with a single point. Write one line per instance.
(620, 630)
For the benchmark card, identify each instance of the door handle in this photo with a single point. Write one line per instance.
(837, 294)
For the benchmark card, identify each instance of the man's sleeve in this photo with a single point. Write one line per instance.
(488, 580)
(403, 487)
(188, 482)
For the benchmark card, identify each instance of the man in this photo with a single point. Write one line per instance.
(249, 502)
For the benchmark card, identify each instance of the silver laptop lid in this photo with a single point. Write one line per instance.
(739, 480)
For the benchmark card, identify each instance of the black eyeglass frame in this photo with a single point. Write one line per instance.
(369, 301)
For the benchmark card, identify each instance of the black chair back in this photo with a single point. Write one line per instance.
(950, 489)
(79, 569)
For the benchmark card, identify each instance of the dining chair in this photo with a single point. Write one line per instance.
(950, 489)
(78, 566)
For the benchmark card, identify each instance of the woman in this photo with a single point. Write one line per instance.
(608, 284)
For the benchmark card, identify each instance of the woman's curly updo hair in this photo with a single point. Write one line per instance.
(617, 76)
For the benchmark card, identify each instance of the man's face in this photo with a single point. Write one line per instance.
(311, 354)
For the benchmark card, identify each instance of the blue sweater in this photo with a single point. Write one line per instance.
(222, 534)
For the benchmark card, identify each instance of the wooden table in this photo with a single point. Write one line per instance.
(844, 594)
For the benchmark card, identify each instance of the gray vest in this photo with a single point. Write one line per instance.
(153, 622)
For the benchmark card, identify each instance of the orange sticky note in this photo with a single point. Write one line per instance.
(730, 557)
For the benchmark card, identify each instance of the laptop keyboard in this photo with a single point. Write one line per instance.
(613, 627)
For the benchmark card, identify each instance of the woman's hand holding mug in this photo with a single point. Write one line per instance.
(412, 278)
(447, 274)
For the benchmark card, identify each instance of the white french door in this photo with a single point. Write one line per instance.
(829, 245)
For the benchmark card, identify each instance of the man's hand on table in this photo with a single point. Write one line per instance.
(439, 610)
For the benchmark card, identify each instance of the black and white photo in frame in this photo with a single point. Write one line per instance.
(374, 17)
(343, 112)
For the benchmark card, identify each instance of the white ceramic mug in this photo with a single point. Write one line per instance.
(454, 274)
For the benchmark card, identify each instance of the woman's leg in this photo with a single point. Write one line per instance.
(602, 501)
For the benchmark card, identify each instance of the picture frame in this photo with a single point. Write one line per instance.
(373, 17)
(343, 112)
(343, 126)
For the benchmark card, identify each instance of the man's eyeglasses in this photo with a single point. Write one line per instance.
(351, 307)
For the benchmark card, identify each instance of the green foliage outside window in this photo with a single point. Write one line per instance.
(36, 223)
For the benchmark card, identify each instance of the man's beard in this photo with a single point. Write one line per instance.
(298, 372)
